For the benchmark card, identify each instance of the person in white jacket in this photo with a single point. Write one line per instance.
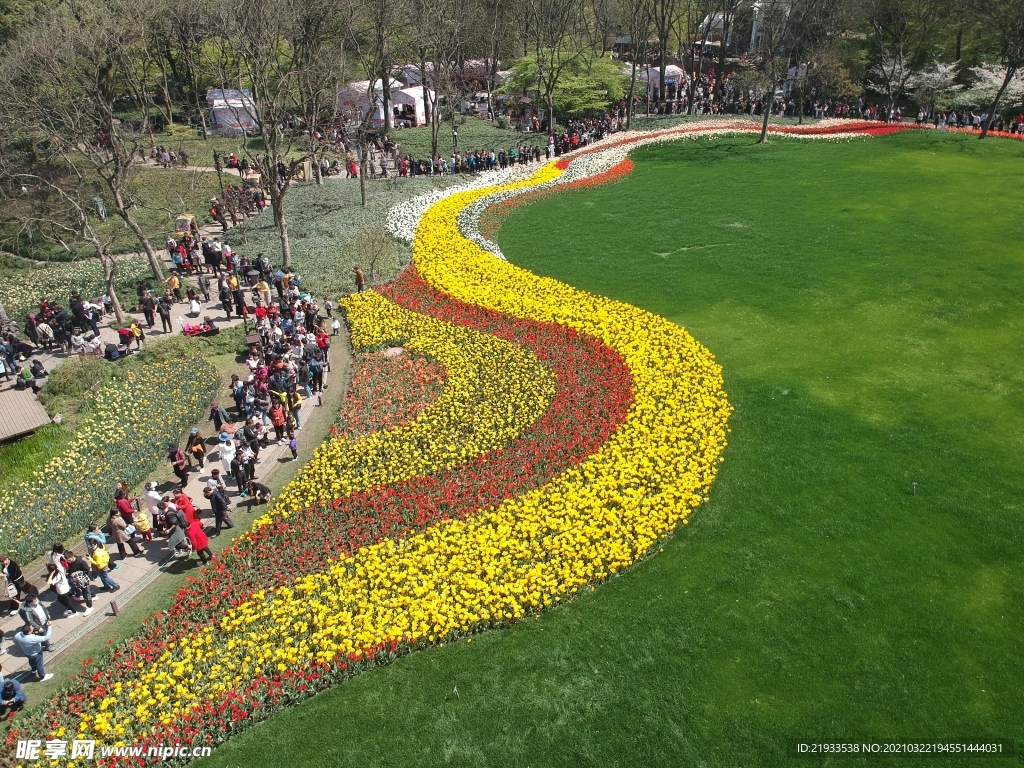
(152, 499)
(227, 452)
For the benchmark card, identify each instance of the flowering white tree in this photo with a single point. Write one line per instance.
(992, 80)
(1004, 20)
(931, 84)
(891, 76)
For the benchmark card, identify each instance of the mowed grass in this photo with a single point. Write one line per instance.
(864, 301)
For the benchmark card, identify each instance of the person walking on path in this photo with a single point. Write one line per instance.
(227, 452)
(174, 283)
(163, 308)
(80, 578)
(120, 535)
(220, 505)
(176, 527)
(204, 286)
(277, 419)
(152, 497)
(99, 558)
(179, 462)
(219, 417)
(196, 447)
(124, 507)
(34, 614)
(295, 405)
(32, 642)
(148, 306)
(58, 582)
(215, 482)
(15, 582)
(200, 541)
(184, 504)
(137, 333)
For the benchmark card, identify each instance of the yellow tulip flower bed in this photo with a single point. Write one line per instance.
(133, 419)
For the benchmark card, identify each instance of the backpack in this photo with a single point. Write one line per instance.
(79, 579)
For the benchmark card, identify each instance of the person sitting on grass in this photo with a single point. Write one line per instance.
(12, 698)
(24, 379)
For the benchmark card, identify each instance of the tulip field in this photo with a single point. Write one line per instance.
(580, 534)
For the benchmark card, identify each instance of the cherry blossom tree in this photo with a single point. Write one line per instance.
(932, 83)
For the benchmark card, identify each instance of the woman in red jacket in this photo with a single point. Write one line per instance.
(200, 541)
(184, 503)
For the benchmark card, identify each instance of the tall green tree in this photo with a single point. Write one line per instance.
(586, 84)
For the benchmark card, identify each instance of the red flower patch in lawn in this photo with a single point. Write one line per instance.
(387, 391)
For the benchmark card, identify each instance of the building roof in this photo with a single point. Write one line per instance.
(20, 413)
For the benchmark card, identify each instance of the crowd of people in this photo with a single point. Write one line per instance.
(73, 330)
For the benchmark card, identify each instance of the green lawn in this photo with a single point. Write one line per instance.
(864, 301)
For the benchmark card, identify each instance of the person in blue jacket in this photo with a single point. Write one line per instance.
(12, 698)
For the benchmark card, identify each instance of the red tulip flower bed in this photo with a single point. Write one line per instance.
(594, 391)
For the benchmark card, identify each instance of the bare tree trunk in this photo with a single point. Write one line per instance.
(122, 211)
(629, 101)
(109, 270)
(277, 205)
(386, 95)
(799, 96)
(428, 112)
(1010, 72)
(362, 169)
(662, 62)
(764, 124)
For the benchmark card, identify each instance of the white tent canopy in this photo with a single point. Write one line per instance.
(673, 76)
(354, 101)
(232, 112)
